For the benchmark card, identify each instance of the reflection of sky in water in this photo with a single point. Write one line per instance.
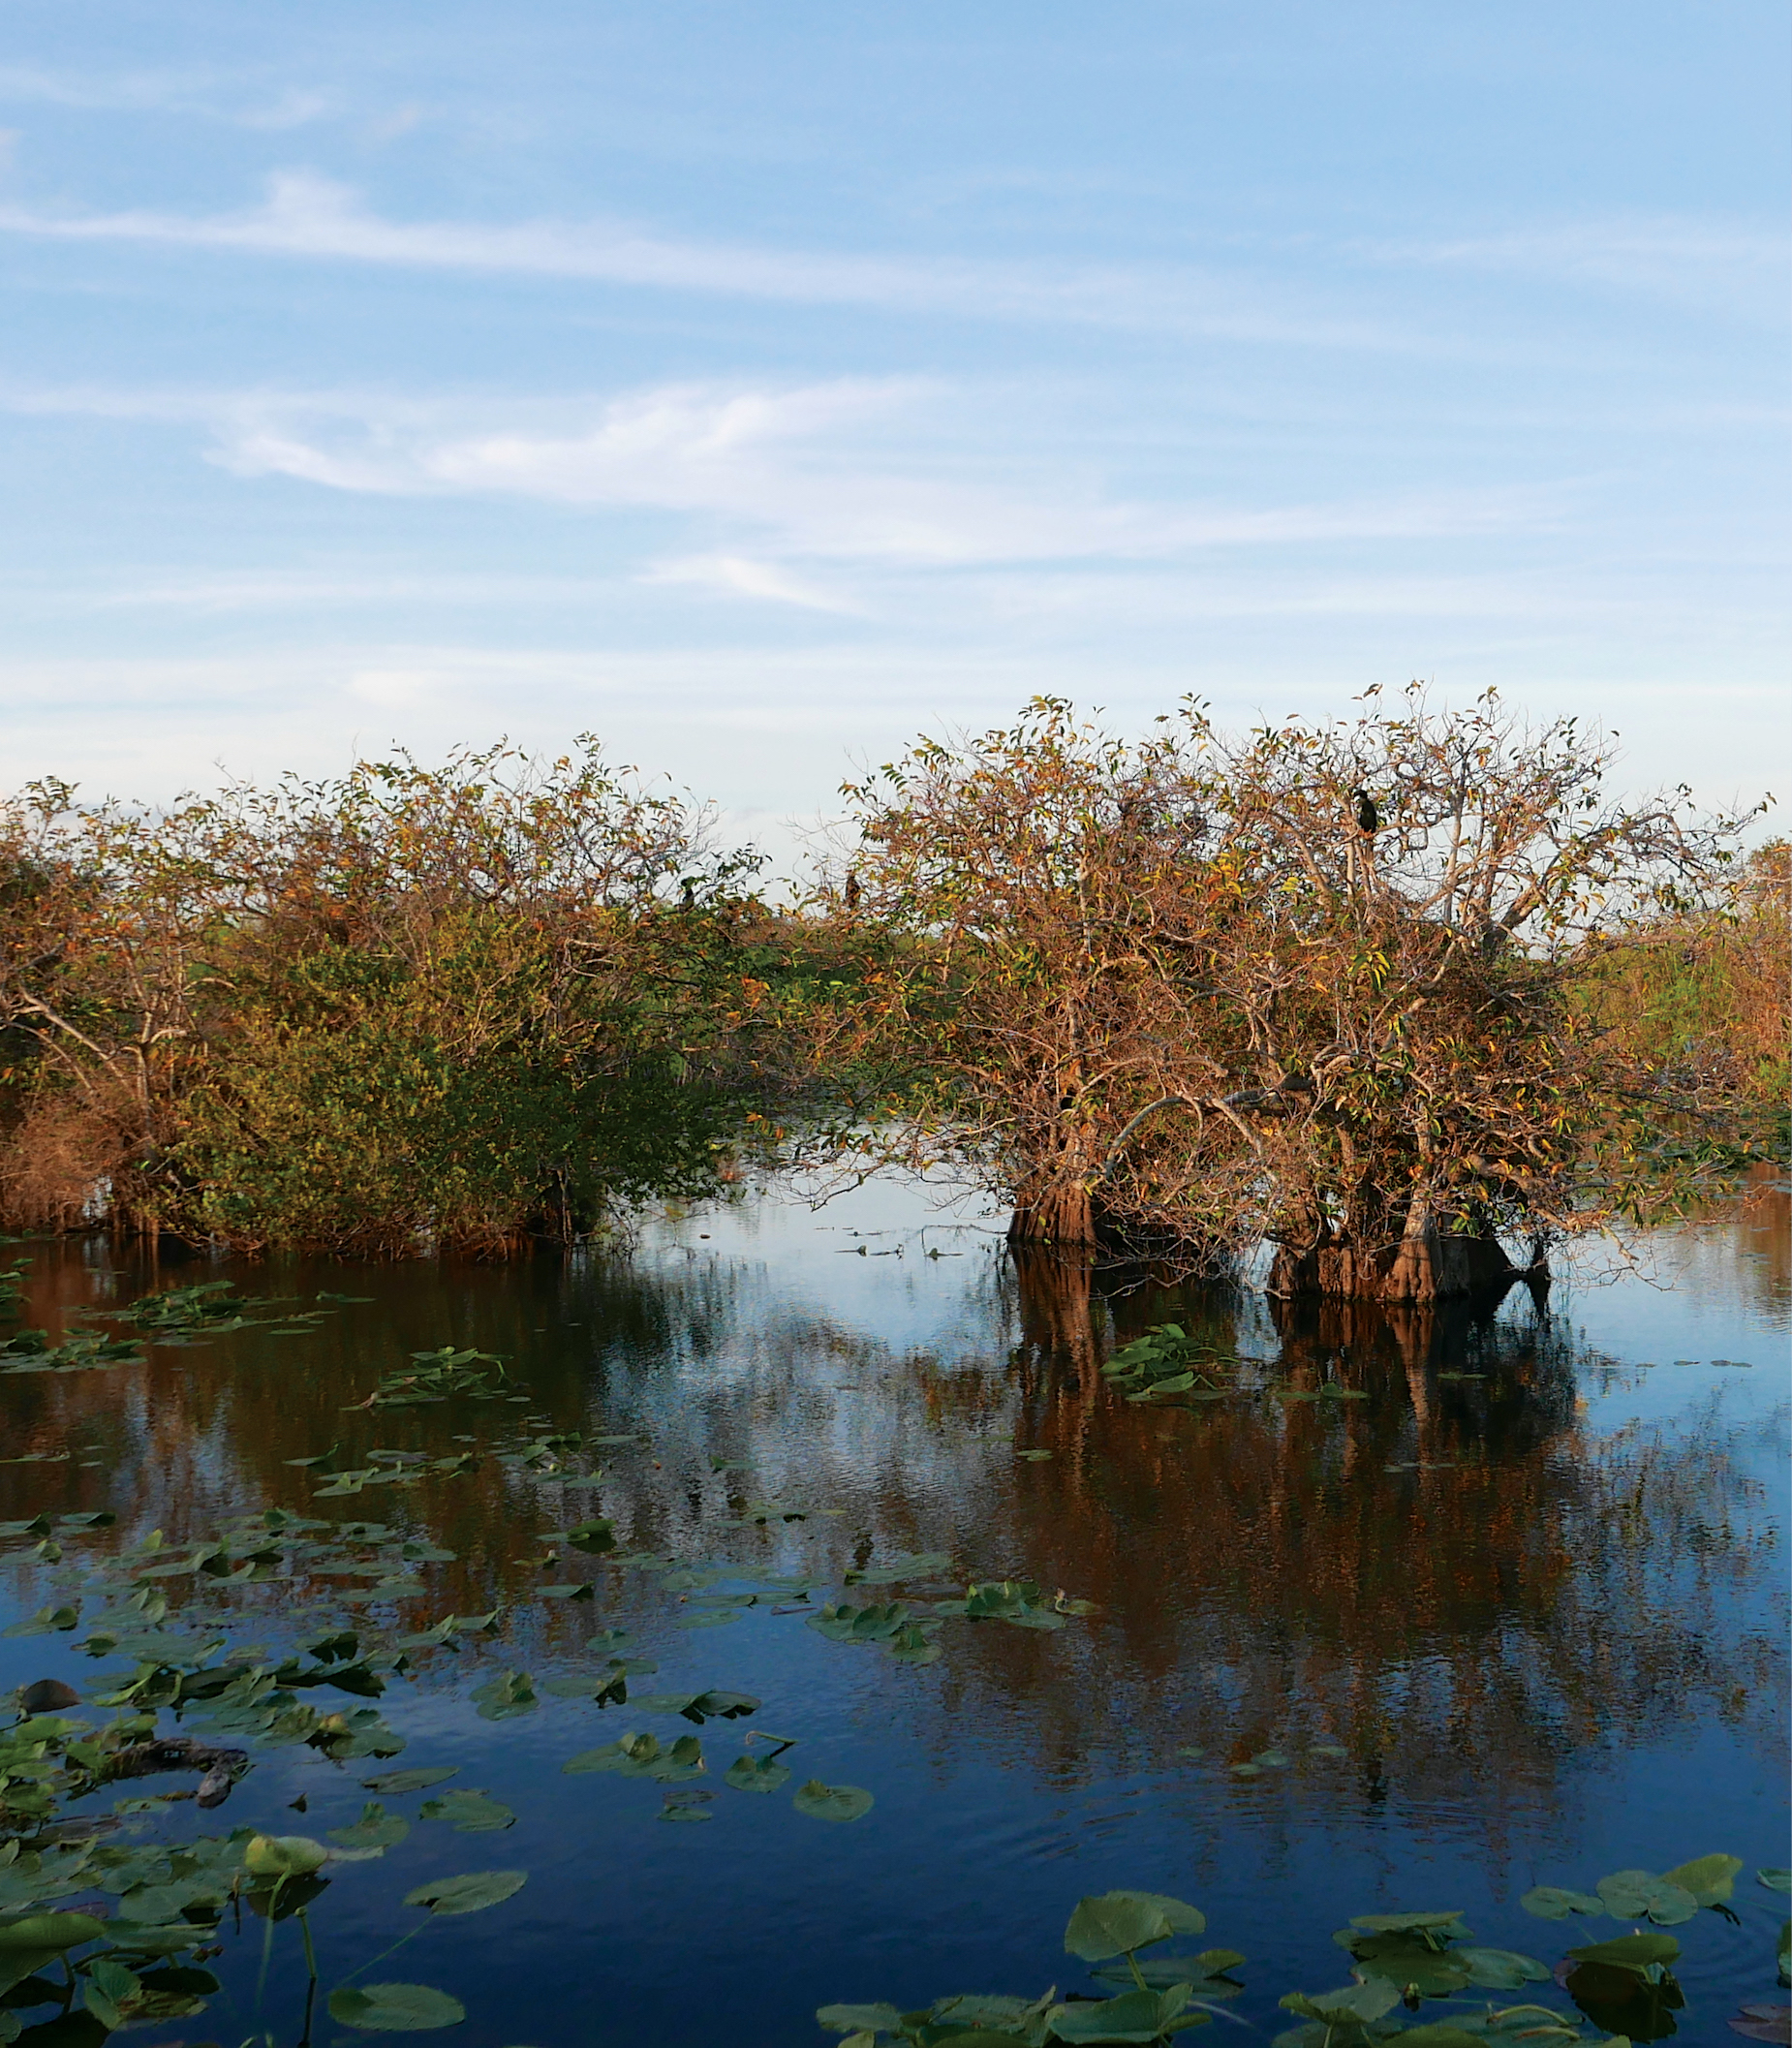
(1539, 1673)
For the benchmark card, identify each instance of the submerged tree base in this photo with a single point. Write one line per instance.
(1426, 1265)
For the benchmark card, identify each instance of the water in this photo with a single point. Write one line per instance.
(1540, 1612)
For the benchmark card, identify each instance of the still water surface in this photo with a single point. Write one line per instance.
(1524, 1627)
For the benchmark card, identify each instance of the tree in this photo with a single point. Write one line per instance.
(1043, 896)
(1175, 991)
(450, 1006)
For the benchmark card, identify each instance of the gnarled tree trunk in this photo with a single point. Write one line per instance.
(1425, 1263)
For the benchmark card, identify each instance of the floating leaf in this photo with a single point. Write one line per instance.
(1133, 2016)
(859, 2019)
(1763, 2022)
(394, 2008)
(1639, 1894)
(375, 1829)
(1446, 1924)
(470, 1894)
(1116, 1923)
(1775, 1880)
(1551, 1902)
(1501, 1969)
(1361, 2002)
(1632, 1952)
(1709, 1880)
(833, 1802)
(413, 1781)
(911, 1565)
(49, 1934)
(683, 1806)
(469, 1813)
(642, 1756)
(752, 1773)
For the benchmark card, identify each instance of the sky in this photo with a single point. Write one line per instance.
(756, 387)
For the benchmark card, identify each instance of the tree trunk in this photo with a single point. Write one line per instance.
(1424, 1264)
(1064, 1214)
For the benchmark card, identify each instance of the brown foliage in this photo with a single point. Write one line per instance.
(1177, 991)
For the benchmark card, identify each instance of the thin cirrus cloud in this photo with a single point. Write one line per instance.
(784, 463)
(1729, 266)
(775, 478)
(311, 217)
(209, 95)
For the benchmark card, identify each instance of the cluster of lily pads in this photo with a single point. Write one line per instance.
(120, 1959)
(1166, 1367)
(1622, 1987)
(174, 1317)
(174, 1612)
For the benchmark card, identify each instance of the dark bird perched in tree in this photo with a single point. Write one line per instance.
(854, 892)
(1367, 816)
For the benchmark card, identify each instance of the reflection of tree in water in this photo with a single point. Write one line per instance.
(1450, 1577)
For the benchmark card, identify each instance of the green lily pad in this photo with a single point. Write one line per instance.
(1501, 1969)
(375, 1829)
(833, 1802)
(1133, 2016)
(1629, 1952)
(859, 2019)
(1358, 2002)
(470, 1894)
(1709, 1880)
(755, 1774)
(394, 2008)
(1116, 1923)
(469, 1813)
(418, 1780)
(1639, 1894)
(1554, 1902)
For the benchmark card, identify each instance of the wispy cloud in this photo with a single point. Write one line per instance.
(306, 216)
(1674, 256)
(858, 472)
(212, 96)
(739, 576)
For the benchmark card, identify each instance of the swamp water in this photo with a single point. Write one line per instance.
(1405, 1620)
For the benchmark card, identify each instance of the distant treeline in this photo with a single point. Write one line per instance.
(1385, 991)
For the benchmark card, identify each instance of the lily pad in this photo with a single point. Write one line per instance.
(394, 2008)
(375, 1829)
(418, 1780)
(833, 1802)
(755, 1774)
(1639, 1894)
(1709, 1880)
(1133, 2016)
(1554, 1902)
(1501, 1969)
(1116, 1923)
(859, 2019)
(1638, 1953)
(469, 1813)
(1763, 2022)
(470, 1894)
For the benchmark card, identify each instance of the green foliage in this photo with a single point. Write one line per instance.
(409, 1007)
(1400, 1961)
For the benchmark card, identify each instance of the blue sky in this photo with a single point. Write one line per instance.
(756, 386)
